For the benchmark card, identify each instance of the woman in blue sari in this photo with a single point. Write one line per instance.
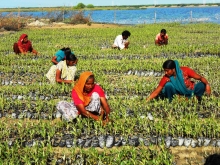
(177, 80)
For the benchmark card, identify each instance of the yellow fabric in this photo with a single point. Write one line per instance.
(64, 71)
(51, 74)
(67, 71)
(80, 86)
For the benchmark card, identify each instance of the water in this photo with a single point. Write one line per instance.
(157, 15)
(149, 15)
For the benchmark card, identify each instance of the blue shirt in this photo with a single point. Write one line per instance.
(60, 55)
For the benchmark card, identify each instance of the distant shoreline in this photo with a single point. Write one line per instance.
(134, 7)
(175, 6)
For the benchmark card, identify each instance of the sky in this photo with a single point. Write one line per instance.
(54, 3)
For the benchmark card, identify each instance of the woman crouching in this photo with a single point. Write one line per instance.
(88, 100)
(177, 81)
(64, 71)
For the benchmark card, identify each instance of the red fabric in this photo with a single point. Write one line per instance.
(16, 49)
(160, 39)
(96, 88)
(26, 46)
(187, 74)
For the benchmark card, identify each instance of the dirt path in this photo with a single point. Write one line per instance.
(182, 155)
(192, 156)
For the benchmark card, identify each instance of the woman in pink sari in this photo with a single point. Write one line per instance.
(23, 46)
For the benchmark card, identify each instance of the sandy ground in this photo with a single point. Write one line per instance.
(96, 25)
(192, 156)
(66, 26)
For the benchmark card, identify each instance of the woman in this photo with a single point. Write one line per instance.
(24, 45)
(177, 81)
(64, 71)
(88, 100)
(60, 55)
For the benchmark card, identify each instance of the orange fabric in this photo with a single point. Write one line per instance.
(80, 86)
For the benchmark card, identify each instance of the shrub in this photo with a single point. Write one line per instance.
(90, 6)
(57, 16)
(79, 18)
(12, 22)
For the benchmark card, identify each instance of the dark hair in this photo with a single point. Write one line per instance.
(213, 159)
(63, 49)
(169, 64)
(71, 57)
(91, 76)
(66, 50)
(163, 31)
(126, 33)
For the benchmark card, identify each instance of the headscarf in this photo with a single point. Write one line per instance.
(80, 86)
(179, 83)
(26, 46)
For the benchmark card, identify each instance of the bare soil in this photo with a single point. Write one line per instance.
(182, 155)
(192, 156)
(66, 26)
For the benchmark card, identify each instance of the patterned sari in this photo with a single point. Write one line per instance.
(92, 103)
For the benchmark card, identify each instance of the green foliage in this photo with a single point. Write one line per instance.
(193, 45)
(90, 6)
(80, 6)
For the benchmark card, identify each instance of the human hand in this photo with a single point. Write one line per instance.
(148, 99)
(208, 89)
(126, 45)
(104, 122)
(69, 81)
(34, 52)
(107, 119)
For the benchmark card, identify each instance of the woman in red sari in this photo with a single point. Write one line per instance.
(23, 46)
(177, 80)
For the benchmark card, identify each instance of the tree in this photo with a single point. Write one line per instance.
(90, 6)
(80, 6)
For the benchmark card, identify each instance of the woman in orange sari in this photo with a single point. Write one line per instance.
(88, 100)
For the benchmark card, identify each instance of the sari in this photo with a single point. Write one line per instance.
(178, 82)
(92, 103)
(80, 86)
(67, 72)
(25, 46)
